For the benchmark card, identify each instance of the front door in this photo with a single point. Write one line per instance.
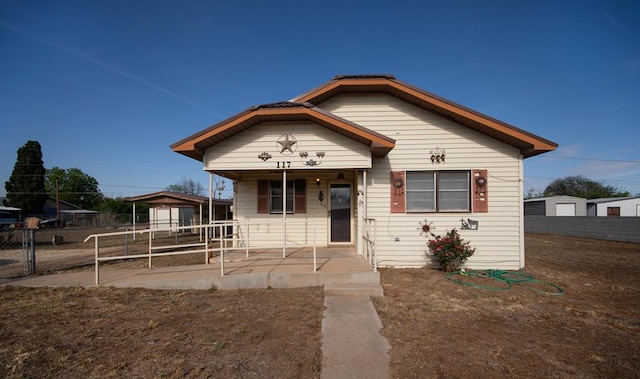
(340, 211)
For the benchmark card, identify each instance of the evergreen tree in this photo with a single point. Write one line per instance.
(25, 188)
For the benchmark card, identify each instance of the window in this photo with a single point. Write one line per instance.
(270, 196)
(438, 191)
(275, 194)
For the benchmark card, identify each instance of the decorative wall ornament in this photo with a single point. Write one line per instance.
(286, 142)
(312, 162)
(468, 224)
(437, 155)
(425, 227)
(265, 156)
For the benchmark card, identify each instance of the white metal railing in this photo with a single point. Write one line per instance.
(237, 239)
(370, 232)
(266, 234)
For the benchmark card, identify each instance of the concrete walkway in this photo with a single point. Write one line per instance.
(352, 346)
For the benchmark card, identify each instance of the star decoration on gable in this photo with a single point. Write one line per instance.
(287, 142)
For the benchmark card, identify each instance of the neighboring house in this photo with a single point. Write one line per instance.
(369, 148)
(614, 206)
(51, 207)
(556, 206)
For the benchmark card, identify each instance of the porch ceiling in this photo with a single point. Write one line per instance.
(194, 146)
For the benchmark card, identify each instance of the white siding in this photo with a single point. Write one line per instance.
(271, 235)
(241, 151)
(498, 239)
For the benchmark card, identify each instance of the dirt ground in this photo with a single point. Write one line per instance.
(436, 328)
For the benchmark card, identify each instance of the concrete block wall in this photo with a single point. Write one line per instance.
(624, 229)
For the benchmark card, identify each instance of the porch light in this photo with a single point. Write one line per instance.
(318, 182)
(320, 196)
(340, 175)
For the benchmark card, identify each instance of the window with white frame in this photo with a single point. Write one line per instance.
(276, 195)
(270, 196)
(438, 191)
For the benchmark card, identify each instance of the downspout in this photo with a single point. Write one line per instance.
(521, 206)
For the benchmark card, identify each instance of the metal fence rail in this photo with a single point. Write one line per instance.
(241, 237)
(231, 235)
(369, 237)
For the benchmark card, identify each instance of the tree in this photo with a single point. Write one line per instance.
(25, 188)
(580, 186)
(74, 186)
(186, 186)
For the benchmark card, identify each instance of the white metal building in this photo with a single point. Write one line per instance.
(614, 206)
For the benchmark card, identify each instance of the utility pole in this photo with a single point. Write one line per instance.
(57, 201)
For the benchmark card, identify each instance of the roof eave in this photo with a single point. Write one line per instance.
(529, 143)
(195, 145)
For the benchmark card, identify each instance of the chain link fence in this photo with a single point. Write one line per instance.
(62, 247)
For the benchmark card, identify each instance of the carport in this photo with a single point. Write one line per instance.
(219, 209)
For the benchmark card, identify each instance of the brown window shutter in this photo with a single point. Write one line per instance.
(480, 194)
(300, 186)
(397, 192)
(263, 196)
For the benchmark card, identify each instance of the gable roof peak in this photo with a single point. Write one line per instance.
(282, 104)
(365, 76)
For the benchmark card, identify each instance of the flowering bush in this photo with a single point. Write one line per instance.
(451, 250)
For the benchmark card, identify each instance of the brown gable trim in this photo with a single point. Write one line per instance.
(168, 197)
(529, 144)
(195, 145)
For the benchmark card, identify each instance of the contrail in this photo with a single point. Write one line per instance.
(110, 68)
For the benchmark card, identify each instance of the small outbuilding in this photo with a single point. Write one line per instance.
(614, 206)
(556, 206)
(171, 209)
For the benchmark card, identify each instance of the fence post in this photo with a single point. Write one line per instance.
(97, 262)
(29, 246)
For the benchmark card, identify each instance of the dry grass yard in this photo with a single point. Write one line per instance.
(436, 328)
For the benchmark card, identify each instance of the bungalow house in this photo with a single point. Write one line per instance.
(375, 163)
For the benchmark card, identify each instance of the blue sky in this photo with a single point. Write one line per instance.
(107, 86)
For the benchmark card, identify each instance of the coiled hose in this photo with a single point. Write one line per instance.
(507, 278)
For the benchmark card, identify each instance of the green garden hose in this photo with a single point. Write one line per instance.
(507, 278)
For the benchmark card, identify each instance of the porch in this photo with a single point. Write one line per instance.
(337, 269)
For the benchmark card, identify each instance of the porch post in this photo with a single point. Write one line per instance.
(211, 204)
(284, 213)
(200, 230)
(210, 197)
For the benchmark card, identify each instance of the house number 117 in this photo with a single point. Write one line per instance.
(283, 164)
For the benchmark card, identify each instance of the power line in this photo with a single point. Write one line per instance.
(592, 159)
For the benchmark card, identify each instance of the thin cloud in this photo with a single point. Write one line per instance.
(613, 20)
(569, 151)
(606, 170)
(110, 68)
